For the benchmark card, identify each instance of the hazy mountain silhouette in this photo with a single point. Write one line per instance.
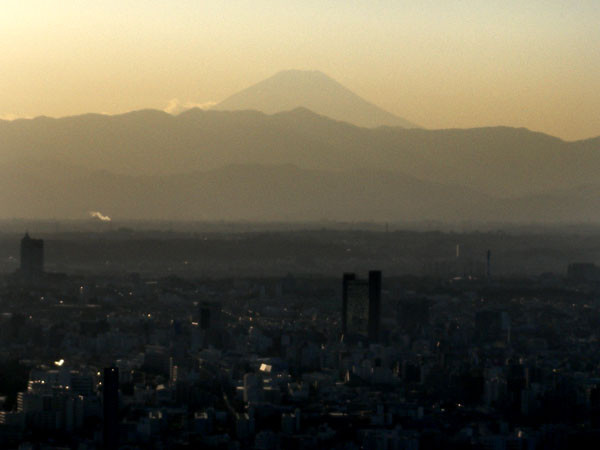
(235, 192)
(272, 193)
(495, 161)
(316, 91)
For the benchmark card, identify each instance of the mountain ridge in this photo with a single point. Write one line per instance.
(300, 110)
(254, 192)
(153, 142)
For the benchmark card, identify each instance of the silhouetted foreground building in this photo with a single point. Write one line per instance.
(361, 306)
(111, 408)
(32, 256)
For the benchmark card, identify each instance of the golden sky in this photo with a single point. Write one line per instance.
(438, 63)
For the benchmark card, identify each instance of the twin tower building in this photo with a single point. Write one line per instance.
(361, 307)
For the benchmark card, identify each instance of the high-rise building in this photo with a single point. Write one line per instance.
(111, 407)
(374, 306)
(361, 306)
(209, 315)
(32, 256)
(355, 301)
(346, 279)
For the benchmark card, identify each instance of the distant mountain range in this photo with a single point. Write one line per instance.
(292, 165)
(316, 91)
(495, 161)
(273, 193)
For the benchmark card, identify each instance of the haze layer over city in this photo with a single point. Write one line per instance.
(299, 224)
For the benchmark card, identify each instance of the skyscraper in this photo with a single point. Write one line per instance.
(111, 408)
(32, 256)
(374, 305)
(209, 315)
(346, 279)
(361, 306)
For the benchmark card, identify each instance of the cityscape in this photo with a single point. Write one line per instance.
(458, 360)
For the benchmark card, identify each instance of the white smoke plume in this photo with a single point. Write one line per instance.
(98, 215)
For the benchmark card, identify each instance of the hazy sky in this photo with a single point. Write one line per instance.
(439, 63)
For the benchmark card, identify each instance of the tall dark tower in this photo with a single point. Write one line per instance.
(210, 315)
(374, 305)
(488, 269)
(361, 306)
(346, 279)
(32, 256)
(111, 408)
